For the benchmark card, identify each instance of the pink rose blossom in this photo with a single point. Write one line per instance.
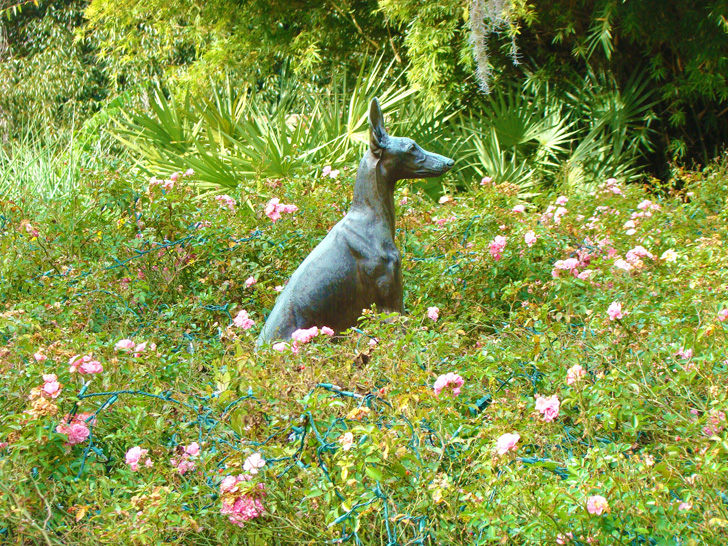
(597, 504)
(253, 463)
(548, 407)
(530, 237)
(193, 449)
(564, 539)
(574, 374)
(634, 255)
(244, 507)
(280, 346)
(229, 484)
(124, 345)
(584, 275)
(497, 246)
(569, 264)
(684, 506)
(433, 313)
(303, 335)
(443, 221)
(519, 209)
(84, 364)
(189, 172)
(183, 465)
(274, 208)
(723, 314)
(347, 441)
(561, 211)
(615, 311)
(325, 330)
(226, 201)
(507, 442)
(90, 366)
(40, 357)
(669, 256)
(77, 430)
(562, 200)
(486, 180)
(250, 281)
(449, 379)
(51, 386)
(134, 455)
(685, 354)
(242, 320)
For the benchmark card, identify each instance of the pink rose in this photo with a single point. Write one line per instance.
(448, 379)
(193, 449)
(242, 320)
(253, 463)
(303, 335)
(597, 504)
(327, 331)
(91, 366)
(548, 407)
(433, 313)
(574, 374)
(229, 484)
(615, 311)
(134, 455)
(519, 209)
(51, 387)
(124, 345)
(507, 442)
(40, 357)
(723, 314)
(77, 430)
(496, 247)
(530, 238)
(226, 201)
(274, 208)
(250, 281)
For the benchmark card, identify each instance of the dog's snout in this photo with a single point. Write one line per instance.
(449, 162)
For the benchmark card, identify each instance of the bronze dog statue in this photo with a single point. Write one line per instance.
(357, 264)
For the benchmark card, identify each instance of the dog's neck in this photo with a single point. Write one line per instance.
(374, 191)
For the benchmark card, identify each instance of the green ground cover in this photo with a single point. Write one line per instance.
(592, 325)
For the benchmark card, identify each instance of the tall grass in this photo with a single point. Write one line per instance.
(47, 165)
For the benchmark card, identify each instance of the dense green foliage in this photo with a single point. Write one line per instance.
(643, 427)
(676, 47)
(532, 138)
(47, 78)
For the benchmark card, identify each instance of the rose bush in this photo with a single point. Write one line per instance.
(509, 404)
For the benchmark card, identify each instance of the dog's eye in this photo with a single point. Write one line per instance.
(411, 147)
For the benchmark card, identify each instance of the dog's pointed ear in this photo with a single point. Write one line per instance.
(377, 132)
